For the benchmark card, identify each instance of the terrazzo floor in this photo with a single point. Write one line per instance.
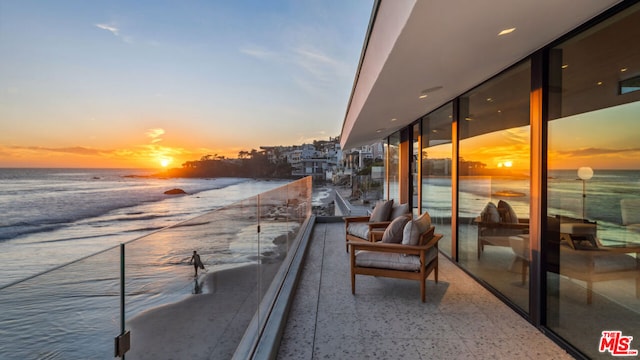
(385, 319)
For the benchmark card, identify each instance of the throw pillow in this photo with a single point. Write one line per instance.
(413, 229)
(507, 214)
(382, 211)
(490, 214)
(399, 210)
(393, 233)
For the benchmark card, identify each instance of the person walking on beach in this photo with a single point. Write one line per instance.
(197, 263)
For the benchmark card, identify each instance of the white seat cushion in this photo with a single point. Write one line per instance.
(360, 230)
(395, 261)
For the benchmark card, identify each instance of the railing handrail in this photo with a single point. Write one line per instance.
(343, 205)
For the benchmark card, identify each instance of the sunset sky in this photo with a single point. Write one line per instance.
(133, 83)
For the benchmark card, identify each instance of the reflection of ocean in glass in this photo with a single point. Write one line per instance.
(604, 192)
(602, 203)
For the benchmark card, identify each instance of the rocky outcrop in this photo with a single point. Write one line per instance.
(175, 192)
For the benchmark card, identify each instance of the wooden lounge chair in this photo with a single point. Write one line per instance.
(359, 228)
(400, 261)
(582, 261)
(599, 263)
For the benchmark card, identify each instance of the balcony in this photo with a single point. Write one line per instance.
(387, 320)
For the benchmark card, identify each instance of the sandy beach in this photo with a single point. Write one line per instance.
(204, 326)
(209, 325)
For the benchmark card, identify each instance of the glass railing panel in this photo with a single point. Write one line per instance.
(75, 311)
(71, 312)
(171, 311)
(282, 211)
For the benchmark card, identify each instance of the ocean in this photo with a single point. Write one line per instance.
(53, 216)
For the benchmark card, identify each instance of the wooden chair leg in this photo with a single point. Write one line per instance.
(353, 283)
(352, 262)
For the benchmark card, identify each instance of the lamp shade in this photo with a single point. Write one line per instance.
(585, 173)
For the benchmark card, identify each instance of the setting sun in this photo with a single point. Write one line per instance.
(165, 162)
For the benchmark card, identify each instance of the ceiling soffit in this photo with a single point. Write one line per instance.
(449, 44)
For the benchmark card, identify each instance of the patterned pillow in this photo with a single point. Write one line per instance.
(413, 229)
(382, 211)
(393, 233)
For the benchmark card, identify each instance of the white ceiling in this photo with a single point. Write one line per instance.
(415, 45)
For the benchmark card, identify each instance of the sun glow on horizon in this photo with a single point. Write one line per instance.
(164, 162)
(507, 164)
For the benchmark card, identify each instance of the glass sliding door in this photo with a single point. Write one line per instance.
(494, 183)
(436, 157)
(593, 196)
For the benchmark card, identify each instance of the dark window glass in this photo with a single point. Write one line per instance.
(593, 192)
(494, 183)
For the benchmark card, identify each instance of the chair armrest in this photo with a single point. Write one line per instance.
(519, 225)
(394, 248)
(378, 225)
(376, 235)
(352, 219)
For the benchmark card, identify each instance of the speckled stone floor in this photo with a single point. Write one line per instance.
(385, 319)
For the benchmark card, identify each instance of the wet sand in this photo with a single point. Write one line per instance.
(203, 326)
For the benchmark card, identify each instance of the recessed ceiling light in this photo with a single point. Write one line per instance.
(489, 99)
(425, 92)
(394, 119)
(623, 69)
(379, 130)
(565, 66)
(506, 31)
(599, 83)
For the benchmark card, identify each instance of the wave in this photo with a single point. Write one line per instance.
(7, 233)
(40, 210)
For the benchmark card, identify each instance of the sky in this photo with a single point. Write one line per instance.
(140, 84)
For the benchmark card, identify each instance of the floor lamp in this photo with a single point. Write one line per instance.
(584, 173)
